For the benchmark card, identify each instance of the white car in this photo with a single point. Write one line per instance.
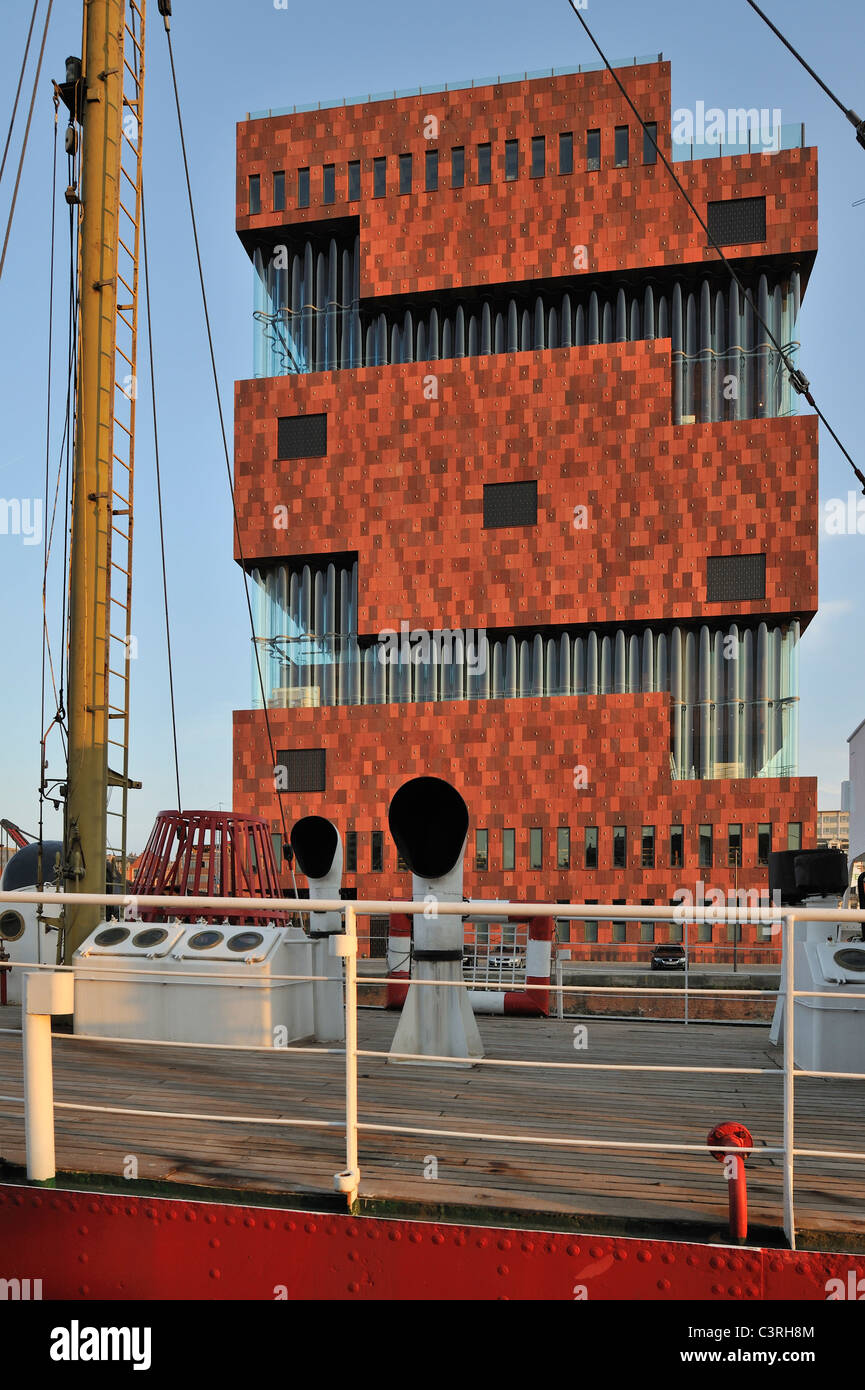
(507, 960)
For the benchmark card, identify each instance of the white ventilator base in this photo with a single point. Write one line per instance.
(438, 1022)
(177, 993)
(829, 1032)
(37, 945)
(328, 1005)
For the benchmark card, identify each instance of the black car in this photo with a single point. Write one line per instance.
(668, 957)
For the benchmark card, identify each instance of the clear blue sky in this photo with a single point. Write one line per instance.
(236, 57)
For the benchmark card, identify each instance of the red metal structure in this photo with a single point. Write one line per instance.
(90, 1245)
(15, 834)
(210, 854)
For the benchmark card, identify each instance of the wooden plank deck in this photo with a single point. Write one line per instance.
(609, 1184)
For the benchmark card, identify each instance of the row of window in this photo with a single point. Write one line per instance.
(640, 849)
(576, 933)
(478, 168)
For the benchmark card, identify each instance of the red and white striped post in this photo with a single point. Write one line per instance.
(534, 1000)
(398, 960)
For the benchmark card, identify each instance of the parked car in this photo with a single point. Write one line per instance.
(668, 957)
(507, 960)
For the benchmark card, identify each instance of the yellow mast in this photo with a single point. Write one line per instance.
(101, 542)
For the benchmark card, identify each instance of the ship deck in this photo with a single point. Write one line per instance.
(607, 1188)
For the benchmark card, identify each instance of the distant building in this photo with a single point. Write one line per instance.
(833, 830)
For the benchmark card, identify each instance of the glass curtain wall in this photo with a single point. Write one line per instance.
(308, 318)
(733, 689)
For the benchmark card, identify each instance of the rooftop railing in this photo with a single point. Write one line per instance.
(461, 84)
(786, 137)
(39, 1103)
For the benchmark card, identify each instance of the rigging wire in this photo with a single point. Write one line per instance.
(159, 500)
(18, 89)
(43, 730)
(165, 12)
(798, 380)
(26, 137)
(848, 111)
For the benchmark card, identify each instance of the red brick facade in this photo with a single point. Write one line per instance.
(402, 486)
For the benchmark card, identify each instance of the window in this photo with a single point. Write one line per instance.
(536, 848)
(563, 931)
(675, 932)
(354, 181)
(401, 862)
(620, 929)
(704, 931)
(301, 436)
(508, 849)
(705, 847)
(563, 847)
(539, 156)
(735, 578)
(351, 851)
(328, 183)
(377, 864)
(735, 221)
(794, 835)
(677, 846)
(405, 173)
(647, 931)
(485, 171)
(566, 152)
(734, 931)
(510, 504)
(764, 843)
(620, 846)
(648, 847)
(254, 194)
(593, 149)
(303, 188)
(590, 928)
(276, 841)
(734, 844)
(279, 191)
(512, 160)
(482, 850)
(432, 171)
(650, 138)
(379, 928)
(458, 167)
(621, 147)
(591, 846)
(379, 177)
(301, 770)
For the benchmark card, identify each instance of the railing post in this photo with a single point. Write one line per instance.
(559, 981)
(346, 946)
(44, 994)
(685, 935)
(788, 946)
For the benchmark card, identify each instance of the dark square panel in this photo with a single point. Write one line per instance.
(301, 436)
(302, 769)
(737, 220)
(735, 578)
(511, 504)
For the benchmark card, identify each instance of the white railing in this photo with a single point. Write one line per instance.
(46, 997)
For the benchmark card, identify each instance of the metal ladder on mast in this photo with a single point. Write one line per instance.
(121, 642)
